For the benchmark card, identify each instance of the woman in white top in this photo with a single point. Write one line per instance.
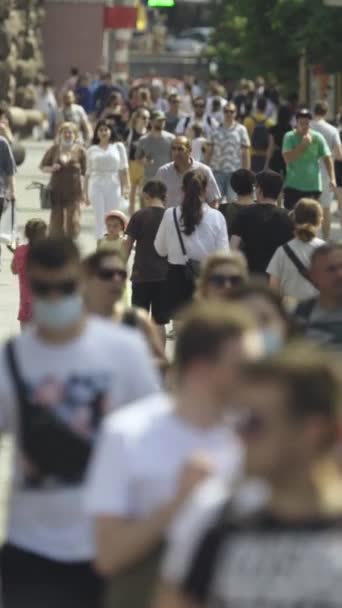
(107, 175)
(203, 231)
(288, 269)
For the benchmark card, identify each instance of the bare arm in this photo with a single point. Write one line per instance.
(329, 165)
(292, 155)
(235, 242)
(125, 182)
(11, 186)
(274, 283)
(246, 157)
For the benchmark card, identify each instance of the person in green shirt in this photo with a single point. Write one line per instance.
(303, 148)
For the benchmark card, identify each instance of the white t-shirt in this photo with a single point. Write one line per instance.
(330, 134)
(292, 283)
(109, 161)
(107, 362)
(142, 453)
(209, 236)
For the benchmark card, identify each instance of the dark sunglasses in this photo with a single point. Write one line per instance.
(178, 148)
(221, 280)
(44, 288)
(108, 274)
(229, 111)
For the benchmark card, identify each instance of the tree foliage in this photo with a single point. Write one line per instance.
(268, 36)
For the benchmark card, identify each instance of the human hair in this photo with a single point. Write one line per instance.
(270, 184)
(233, 258)
(321, 108)
(307, 216)
(67, 125)
(92, 262)
(104, 123)
(261, 104)
(243, 182)
(199, 99)
(114, 96)
(194, 186)
(155, 189)
(53, 253)
(74, 71)
(136, 115)
(35, 229)
(205, 328)
(259, 287)
(325, 249)
(308, 376)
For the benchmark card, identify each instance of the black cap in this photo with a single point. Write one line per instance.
(304, 113)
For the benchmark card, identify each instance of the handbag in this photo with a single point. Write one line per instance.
(297, 263)
(192, 267)
(44, 194)
(49, 444)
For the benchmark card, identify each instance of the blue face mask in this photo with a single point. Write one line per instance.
(57, 314)
(273, 341)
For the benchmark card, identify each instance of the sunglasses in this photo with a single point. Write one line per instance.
(178, 148)
(221, 280)
(44, 288)
(108, 274)
(229, 111)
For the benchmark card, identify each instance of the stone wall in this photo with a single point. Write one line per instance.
(21, 58)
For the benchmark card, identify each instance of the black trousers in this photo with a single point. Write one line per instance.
(31, 581)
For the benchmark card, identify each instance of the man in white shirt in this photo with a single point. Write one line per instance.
(73, 369)
(332, 137)
(150, 458)
(172, 174)
(200, 117)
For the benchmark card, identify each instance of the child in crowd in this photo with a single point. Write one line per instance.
(116, 223)
(34, 229)
(149, 269)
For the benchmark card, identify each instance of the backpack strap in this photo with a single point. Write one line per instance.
(15, 373)
(186, 122)
(297, 263)
(179, 234)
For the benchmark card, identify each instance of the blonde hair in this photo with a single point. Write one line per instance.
(67, 125)
(233, 258)
(307, 216)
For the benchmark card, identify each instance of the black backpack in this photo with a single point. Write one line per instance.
(260, 136)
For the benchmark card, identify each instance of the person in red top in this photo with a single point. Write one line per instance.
(35, 229)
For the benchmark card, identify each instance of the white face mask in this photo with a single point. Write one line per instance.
(58, 314)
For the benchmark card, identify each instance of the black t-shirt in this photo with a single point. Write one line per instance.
(263, 562)
(263, 228)
(143, 227)
(231, 212)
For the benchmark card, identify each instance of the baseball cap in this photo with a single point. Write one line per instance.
(304, 113)
(158, 115)
(118, 215)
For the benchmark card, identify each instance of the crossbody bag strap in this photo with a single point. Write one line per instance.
(18, 382)
(297, 262)
(180, 238)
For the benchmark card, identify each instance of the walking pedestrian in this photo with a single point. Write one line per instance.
(230, 151)
(72, 112)
(242, 183)
(139, 126)
(258, 126)
(221, 274)
(172, 174)
(187, 234)
(116, 224)
(289, 266)
(35, 229)
(174, 113)
(104, 280)
(200, 117)
(277, 132)
(154, 148)
(58, 380)
(135, 503)
(107, 179)
(303, 149)
(65, 161)
(149, 269)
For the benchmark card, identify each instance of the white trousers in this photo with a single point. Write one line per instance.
(104, 193)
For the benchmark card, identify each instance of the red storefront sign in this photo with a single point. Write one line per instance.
(119, 17)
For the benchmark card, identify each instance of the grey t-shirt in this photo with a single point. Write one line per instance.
(157, 150)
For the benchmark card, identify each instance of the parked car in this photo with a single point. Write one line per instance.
(192, 41)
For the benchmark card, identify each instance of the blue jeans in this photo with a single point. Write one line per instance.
(223, 181)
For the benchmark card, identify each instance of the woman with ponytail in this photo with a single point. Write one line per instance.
(288, 269)
(189, 232)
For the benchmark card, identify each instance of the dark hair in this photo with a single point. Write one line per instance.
(270, 184)
(113, 134)
(205, 328)
(74, 71)
(242, 182)
(326, 249)
(321, 108)
(259, 287)
(53, 253)
(194, 185)
(156, 189)
(200, 99)
(92, 262)
(309, 377)
(307, 216)
(35, 229)
(261, 104)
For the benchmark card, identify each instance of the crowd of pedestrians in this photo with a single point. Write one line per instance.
(177, 440)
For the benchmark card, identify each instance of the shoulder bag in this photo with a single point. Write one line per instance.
(297, 263)
(192, 267)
